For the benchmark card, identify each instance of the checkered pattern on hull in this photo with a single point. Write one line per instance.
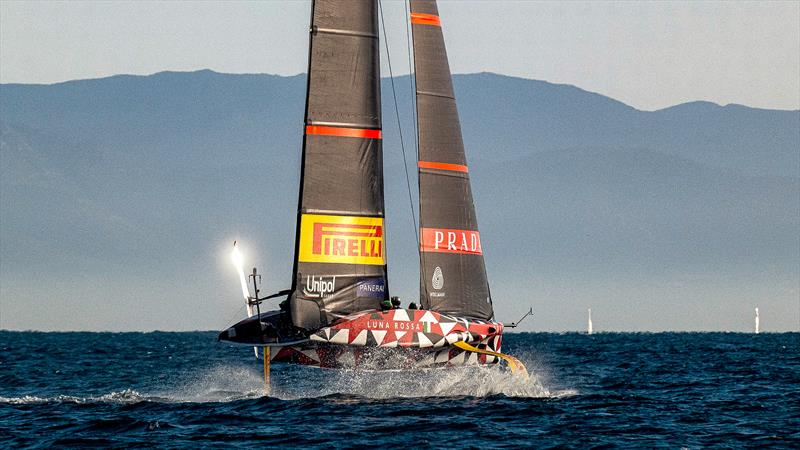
(396, 339)
(406, 328)
(337, 356)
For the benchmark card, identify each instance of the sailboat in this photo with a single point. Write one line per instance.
(589, 327)
(338, 312)
(757, 326)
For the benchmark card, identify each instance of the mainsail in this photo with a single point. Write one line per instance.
(340, 252)
(453, 275)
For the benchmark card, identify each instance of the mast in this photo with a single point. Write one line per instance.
(452, 273)
(340, 263)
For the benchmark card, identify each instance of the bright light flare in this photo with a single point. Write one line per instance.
(236, 257)
(238, 262)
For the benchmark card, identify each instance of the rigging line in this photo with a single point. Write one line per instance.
(411, 85)
(412, 80)
(399, 126)
(233, 317)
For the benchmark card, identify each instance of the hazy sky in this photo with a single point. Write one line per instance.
(650, 55)
(647, 54)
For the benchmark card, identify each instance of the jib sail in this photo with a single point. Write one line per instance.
(340, 251)
(453, 276)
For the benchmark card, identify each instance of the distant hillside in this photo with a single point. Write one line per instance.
(120, 197)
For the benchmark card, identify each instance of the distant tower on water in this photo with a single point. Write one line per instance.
(589, 329)
(757, 321)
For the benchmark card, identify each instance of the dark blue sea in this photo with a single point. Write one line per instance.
(605, 390)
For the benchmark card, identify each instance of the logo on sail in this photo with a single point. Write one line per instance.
(451, 241)
(371, 287)
(320, 286)
(341, 239)
(438, 279)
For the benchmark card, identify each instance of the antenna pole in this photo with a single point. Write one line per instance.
(255, 291)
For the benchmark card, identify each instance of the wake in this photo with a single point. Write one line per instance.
(227, 383)
(479, 381)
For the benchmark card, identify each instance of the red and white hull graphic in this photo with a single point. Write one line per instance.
(396, 339)
(405, 328)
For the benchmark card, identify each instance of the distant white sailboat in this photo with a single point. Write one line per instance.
(757, 321)
(589, 329)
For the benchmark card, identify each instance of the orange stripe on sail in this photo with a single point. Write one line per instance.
(442, 166)
(343, 132)
(426, 19)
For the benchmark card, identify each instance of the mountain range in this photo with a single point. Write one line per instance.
(120, 198)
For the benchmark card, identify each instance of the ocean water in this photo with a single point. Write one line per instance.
(605, 390)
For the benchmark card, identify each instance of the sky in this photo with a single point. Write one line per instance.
(650, 55)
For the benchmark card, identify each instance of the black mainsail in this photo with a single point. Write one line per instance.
(453, 275)
(340, 262)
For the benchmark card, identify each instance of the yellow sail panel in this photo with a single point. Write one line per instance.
(342, 239)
